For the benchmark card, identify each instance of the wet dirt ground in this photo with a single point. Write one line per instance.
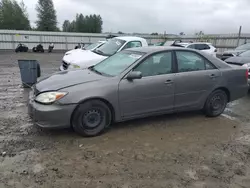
(171, 151)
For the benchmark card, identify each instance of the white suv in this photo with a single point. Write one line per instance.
(205, 47)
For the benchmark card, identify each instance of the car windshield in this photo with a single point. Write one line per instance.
(110, 47)
(244, 47)
(92, 46)
(245, 54)
(117, 63)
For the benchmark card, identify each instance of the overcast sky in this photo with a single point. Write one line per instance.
(147, 16)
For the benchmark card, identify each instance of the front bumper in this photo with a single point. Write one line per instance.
(50, 116)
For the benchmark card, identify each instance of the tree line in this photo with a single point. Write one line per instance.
(14, 16)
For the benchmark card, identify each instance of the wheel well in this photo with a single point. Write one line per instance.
(226, 91)
(110, 106)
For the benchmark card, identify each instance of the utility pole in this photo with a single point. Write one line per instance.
(238, 42)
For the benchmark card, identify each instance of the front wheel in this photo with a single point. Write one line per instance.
(216, 103)
(91, 118)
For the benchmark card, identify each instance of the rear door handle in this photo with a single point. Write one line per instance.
(212, 76)
(168, 82)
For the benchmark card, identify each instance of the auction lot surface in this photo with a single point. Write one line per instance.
(171, 151)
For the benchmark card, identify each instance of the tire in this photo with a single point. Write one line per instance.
(91, 118)
(216, 103)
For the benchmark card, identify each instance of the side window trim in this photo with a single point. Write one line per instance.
(206, 60)
(173, 64)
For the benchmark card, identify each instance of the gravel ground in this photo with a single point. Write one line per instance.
(171, 151)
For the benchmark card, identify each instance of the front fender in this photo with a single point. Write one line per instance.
(107, 91)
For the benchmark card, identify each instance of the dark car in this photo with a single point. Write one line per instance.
(21, 48)
(38, 48)
(242, 59)
(136, 83)
(236, 52)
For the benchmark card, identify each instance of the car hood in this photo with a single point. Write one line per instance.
(83, 58)
(66, 79)
(238, 60)
(235, 52)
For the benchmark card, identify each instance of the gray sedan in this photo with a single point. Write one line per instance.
(136, 83)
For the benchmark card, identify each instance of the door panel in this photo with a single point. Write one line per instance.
(154, 92)
(146, 95)
(196, 78)
(191, 88)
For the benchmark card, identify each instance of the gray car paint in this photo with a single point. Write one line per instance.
(238, 60)
(146, 96)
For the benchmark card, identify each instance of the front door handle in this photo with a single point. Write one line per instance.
(168, 82)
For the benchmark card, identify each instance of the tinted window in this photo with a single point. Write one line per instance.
(132, 44)
(202, 47)
(189, 61)
(117, 63)
(192, 46)
(157, 64)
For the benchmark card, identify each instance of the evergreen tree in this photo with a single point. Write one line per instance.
(84, 24)
(13, 15)
(66, 26)
(46, 13)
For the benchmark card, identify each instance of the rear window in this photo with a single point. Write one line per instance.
(244, 47)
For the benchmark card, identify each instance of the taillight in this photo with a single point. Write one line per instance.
(247, 74)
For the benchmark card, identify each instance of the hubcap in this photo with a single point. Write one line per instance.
(217, 102)
(92, 118)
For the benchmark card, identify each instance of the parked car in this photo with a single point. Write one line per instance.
(38, 48)
(202, 46)
(86, 58)
(21, 48)
(136, 83)
(236, 51)
(242, 59)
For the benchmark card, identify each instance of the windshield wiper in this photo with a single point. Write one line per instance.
(98, 72)
(94, 70)
(98, 52)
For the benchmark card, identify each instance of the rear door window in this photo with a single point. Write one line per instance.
(190, 61)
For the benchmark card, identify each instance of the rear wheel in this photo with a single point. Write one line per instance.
(91, 118)
(216, 103)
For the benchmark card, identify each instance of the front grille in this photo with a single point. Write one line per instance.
(65, 65)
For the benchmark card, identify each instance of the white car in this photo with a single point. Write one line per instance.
(205, 47)
(86, 58)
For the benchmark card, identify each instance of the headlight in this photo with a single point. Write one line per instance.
(247, 65)
(50, 97)
(75, 66)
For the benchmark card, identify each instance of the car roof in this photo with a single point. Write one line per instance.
(128, 38)
(200, 43)
(152, 49)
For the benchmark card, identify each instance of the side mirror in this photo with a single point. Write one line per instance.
(134, 75)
